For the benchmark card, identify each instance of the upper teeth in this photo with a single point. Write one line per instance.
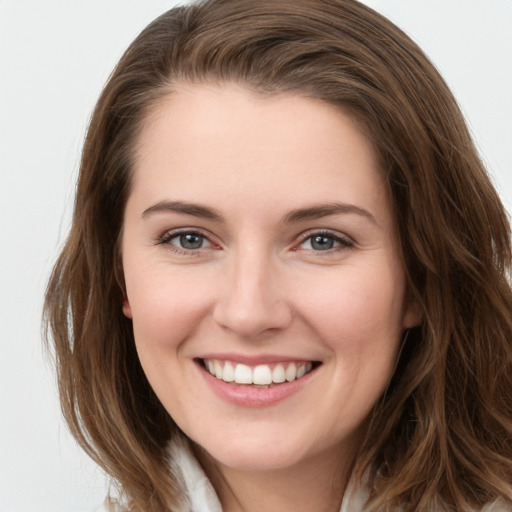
(261, 374)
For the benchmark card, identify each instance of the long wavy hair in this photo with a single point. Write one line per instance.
(442, 432)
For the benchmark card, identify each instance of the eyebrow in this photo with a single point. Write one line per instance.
(325, 210)
(316, 211)
(196, 210)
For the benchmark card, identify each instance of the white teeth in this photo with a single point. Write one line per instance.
(229, 372)
(217, 367)
(291, 372)
(260, 375)
(278, 374)
(243, 374)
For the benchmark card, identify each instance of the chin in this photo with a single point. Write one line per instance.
(260, 454)
(257, 460)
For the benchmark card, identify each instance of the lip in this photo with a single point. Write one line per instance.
(250, 360)
(249, 396)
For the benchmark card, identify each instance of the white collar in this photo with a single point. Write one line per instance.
(199, 493)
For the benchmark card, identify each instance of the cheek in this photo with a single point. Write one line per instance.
(358, 317)
(356, 305)
(166, 307)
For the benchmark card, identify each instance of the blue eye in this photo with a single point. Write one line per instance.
(324, 242)
(189, 241)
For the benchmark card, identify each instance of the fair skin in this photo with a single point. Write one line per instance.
(258, 233)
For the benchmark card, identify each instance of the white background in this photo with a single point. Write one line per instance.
(54, 58)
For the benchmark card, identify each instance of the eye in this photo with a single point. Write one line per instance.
(324, 242)
(186, 240)
(189, 241)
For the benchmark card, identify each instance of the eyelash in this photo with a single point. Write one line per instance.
(167, 238)
(342, 241)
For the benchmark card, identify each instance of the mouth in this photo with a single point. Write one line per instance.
(258, 376)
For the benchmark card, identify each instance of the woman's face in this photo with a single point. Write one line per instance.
(259, 246)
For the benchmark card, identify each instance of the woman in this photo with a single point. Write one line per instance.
(287, 273)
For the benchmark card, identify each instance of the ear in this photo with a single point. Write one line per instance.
(412, 315)
(127, 309)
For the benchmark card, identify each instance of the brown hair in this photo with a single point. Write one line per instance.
(442, 433)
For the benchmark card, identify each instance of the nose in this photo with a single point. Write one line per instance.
(252, 301)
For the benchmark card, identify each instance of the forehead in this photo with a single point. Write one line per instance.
(204, 140)
(194, 111)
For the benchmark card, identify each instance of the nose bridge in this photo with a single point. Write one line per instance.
(251, 301)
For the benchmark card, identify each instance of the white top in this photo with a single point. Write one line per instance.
(199, 495)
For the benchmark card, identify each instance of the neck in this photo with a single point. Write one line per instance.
(315, 485)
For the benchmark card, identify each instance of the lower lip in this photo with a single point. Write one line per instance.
(249, 396)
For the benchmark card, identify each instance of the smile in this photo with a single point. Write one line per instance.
(265, 375)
